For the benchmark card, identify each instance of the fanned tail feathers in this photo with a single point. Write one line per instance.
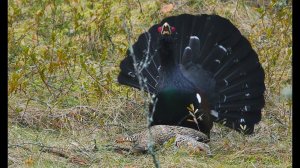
(216, 58)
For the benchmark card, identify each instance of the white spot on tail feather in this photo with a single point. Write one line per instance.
(198, 97)
(131, 74)
(188, 47)
(194, 37)
(246, 108)
(214, 113)
(225, 97)
(217, 61)
(223, 48)
(226, 82)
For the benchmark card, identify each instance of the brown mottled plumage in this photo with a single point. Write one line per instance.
(186, 138)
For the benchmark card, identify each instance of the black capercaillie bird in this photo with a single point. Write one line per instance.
(201, 60)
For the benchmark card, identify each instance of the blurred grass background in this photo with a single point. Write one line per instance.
(63, 62)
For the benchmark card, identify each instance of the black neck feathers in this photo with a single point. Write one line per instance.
(166, 52)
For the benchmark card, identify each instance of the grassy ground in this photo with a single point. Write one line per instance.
(63, 95)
